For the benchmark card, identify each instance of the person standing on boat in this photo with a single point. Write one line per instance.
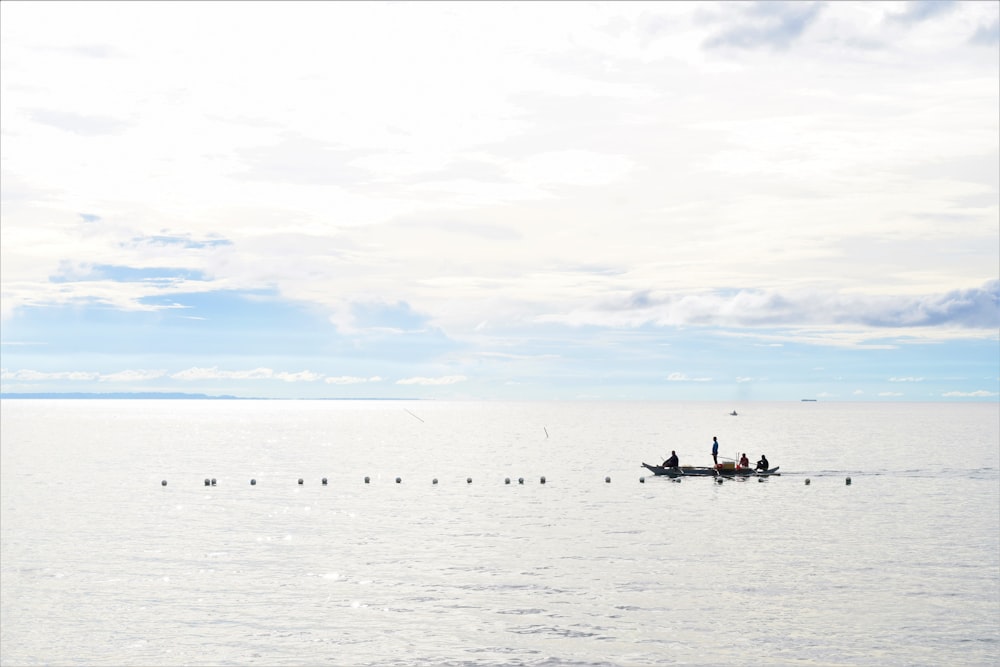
(715, 450)
(673, 461)
(744, 461)
(763, 464)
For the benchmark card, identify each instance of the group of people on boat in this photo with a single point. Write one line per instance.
(744, 462)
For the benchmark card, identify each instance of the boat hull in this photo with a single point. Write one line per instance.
(697, 471)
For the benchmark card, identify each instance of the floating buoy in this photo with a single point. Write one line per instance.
(324, 481)
(542, 480)
(253, 482)
(213, 481)
(300, 481)
(676, 479)
(607, 480)
(367, 480)
(163, 483)
(468, 480)
(718, 480)
(398, 480)
(808, 481)
(520, 480)
(848, 482)
(506, 480)
(208, 482)
(642, 480)
(760, 479)
(434, 481)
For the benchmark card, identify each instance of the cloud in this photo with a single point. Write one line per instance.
(84, 125)
(183, 241)
(427, 381)
(986, 35)
(133, 376)
(302, 160)
(681, 377)
(301, 376)
(769, 24)
(976, 308)
(572, 167)
(982, 393)
(348, 379)
(917, 11)
(214, 373)
(906, 379)
(38, 376)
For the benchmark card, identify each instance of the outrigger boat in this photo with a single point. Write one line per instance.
(723, 470)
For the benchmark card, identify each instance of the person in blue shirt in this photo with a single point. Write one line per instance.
(715, 450)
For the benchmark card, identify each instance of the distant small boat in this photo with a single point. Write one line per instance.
(733, 413)
(808, 400)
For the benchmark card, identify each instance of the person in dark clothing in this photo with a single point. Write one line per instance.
(715, 451)
(763, 464)
(672, 462)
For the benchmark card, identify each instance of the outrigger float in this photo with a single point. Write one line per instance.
(722, 470)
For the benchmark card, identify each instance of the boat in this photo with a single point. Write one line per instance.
(733, 413)
(724, 470)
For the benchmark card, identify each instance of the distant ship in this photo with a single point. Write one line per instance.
(808, 400)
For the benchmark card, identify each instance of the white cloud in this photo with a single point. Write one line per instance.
(982, 393)
(301, 376)
(214, 373)
(132, 376)
(433, 381)
(347, 379)
(37, 376)
(681, 377)
(574, 167)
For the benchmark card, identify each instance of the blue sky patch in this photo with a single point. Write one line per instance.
(131, 274)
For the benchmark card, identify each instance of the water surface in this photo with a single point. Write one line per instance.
(102, 565)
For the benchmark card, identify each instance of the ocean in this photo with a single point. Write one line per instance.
(516, 534)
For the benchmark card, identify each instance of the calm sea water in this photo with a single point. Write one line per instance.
(102, 565)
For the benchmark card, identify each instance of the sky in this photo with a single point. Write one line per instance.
(729, 201)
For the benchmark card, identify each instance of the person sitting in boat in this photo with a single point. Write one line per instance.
(673, 461)
(763, 464)
(744, 461)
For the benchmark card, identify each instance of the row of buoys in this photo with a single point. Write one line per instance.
(847, 482)
(399, 480)
(468, 480)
